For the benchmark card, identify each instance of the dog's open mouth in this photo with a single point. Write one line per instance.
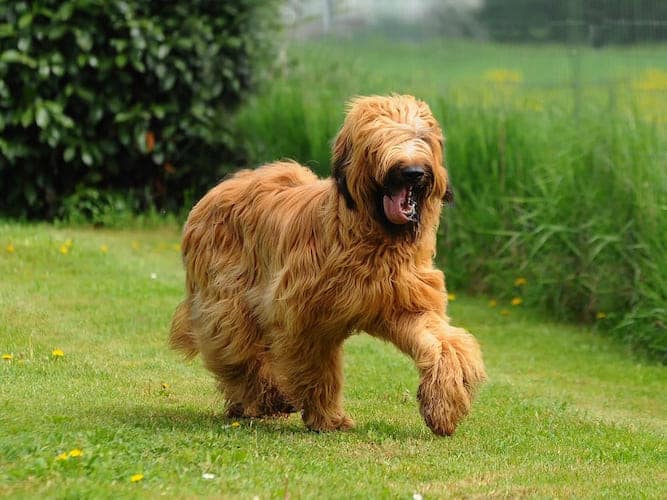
(401, 207)
(403, 191)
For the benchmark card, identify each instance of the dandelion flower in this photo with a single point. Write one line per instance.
(135, 245)
(493, 303)
(164, 386)
(177, 247)
(236, 424)
(601, 315)
(62, 456)
(64, 249)
(7, 357)
(516, 301)
(10, 248)
(520, 281)
(504, 312)
(135, 478)
(76, 452)
(451, 297)
(57, 353)
(104, 248)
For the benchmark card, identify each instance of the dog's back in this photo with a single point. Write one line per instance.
(241, 209)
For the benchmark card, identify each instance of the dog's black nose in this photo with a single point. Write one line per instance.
(412, 173)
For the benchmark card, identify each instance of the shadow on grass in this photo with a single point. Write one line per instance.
(188, 419)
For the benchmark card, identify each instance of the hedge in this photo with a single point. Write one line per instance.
(131, 97)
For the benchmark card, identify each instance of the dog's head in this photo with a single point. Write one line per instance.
(388, 161)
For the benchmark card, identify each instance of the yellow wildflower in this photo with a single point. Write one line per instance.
(451, 297)
(652, 79)
(64, 249)
(62, 456)
(104, 248)
(68, 242)
(504, 312)
(177, 247)
(493, 303)
(601, 315)
(7, 357)
(502, 75)
(516, 301)
(10, 248)
(520, 281)
(76, 452)
(135, 478)
(135, 245)
(164, 386)
(57, 353)
(235, 424)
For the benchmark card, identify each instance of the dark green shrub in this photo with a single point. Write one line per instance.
(130, 96)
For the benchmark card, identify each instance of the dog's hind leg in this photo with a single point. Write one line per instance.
(450, 364)
(310, 372)
(232, 347)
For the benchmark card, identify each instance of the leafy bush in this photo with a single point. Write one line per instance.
(130, 96)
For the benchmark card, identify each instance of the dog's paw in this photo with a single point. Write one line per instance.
(448, 387)
(439, 416)
(234, 410)
(320, 423)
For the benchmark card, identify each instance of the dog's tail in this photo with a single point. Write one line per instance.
(182, 337)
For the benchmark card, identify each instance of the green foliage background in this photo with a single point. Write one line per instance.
(562, 185)
(125, 96)
(114, 107)
(600, 22)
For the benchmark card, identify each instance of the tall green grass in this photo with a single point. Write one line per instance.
(563, 185)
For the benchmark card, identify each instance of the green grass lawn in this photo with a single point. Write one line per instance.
(565, 413)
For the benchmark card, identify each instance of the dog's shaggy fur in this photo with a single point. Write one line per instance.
(282, 267)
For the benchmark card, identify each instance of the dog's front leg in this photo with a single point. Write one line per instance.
(449, 362)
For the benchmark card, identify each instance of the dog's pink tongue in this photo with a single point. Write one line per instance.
(393, 207)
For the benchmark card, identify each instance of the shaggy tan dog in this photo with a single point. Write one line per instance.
(283, 267)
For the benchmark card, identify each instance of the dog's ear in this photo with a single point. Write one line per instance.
(449, 193)
(342, 156)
